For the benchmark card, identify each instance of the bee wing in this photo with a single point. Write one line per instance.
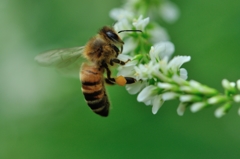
(67, 60)
(61, 57)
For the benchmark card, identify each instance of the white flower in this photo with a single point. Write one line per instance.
(169, 11)
(161, 50)
(119, 14)
(129, 45)
(158, 34)
(141, 23)
(147, 94)
(237, 98)
(228, 85)
(122, 24)
(145, 72)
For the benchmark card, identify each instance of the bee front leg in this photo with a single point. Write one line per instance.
(112, 61)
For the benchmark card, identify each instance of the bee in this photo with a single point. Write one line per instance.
(101, 51)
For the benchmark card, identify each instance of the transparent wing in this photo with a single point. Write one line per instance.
(61, 57)
(67, 60)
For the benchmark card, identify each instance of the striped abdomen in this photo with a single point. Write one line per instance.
(93, 89)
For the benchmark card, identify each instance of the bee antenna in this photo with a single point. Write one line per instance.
(129, 31)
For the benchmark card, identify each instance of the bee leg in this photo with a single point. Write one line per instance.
(110, 81)
(109, 78)
(117, 51)
(122, 81)
(118, 61)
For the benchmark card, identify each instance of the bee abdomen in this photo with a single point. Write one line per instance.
(97, 100)
(93, 90)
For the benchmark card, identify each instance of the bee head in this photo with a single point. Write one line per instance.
(110, 35)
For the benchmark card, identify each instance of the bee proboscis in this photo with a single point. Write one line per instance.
(100, 51)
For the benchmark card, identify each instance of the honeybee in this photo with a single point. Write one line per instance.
(101, 51)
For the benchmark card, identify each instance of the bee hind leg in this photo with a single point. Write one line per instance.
(120, 80)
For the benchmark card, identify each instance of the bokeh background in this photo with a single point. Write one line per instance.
(43, 114)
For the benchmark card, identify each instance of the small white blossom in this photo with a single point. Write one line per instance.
(189, 98)
(158, 34)
(145, 71)
(197, 106)
(166, 86)
(161, 50)
(228, 85)
(169, 12)
(219, 112)
(122, 24)
(119, 13)
(236, 98)
(129, 45)
(141, 23)
(183, 73)
(147, 93)
(238, 84)
(238, 111)
(169, 96)
(181, 109)
(216, 99)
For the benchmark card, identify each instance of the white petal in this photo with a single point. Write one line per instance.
(186, 98)
(122, 25)
(157, 103)
(183, 73)
(118, 14)
(178, 61)
(237, 98)
(238, 111)
(162, 50)
(169, 12)
(238, 84)
(197, 106)
(141, 23)
(181, 109)
(228, 85)
(169, 96)
(146, 93)
(165, 85)
(135, 87)
(219, 112)
(158, 34)
(216, 99)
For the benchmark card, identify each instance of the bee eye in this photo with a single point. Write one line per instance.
(112, 36)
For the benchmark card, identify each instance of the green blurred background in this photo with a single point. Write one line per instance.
(43, 114)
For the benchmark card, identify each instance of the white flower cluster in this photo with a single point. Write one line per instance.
(160, 77)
